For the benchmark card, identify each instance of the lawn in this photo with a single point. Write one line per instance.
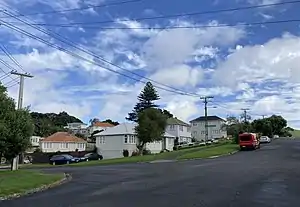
(13, 182)
(212, 151)
(174, 155)
(295, 133)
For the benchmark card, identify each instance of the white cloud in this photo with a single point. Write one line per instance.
(170, 47)
(179, 75)
(276, 59)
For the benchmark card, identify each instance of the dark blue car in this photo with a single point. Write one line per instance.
(63, 159)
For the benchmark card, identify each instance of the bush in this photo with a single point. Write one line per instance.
(134, 153)
(174, 148)
(146, 152)
(125, 153)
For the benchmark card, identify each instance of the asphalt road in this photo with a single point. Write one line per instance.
(267, 177)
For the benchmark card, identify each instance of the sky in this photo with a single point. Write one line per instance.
(242, 66)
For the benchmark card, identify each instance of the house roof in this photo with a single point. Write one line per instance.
(209, 118)
(103, 124)
(175, 121)
(123, 129)
(62, 137)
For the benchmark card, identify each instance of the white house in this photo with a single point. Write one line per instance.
(63, 142)
(179, 129)
(111, 142)
(78, 127)
(215, 129)
(35, 143)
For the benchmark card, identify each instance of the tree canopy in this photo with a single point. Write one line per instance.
(16, 127)
(273, 125)
(145, 100)
(151, 126)
(49, 123)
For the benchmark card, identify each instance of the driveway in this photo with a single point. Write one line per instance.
(266, 177)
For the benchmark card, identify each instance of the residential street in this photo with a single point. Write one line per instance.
(266, 177)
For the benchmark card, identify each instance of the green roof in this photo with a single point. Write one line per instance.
(175, 121)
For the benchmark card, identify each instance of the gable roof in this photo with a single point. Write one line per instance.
(62, 137)
(175, 121)
(124, 129)
(102, 124)
(209, 118)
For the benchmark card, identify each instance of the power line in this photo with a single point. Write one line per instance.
(185, 14)
(90, 61)
(8, 66)
(76, 9)
(8, 54)
(12, 85)
(72, 44)
(178, 27)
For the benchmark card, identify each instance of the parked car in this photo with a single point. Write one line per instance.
(63, 159)
(249, 141)
(265, 139)
(91, 156)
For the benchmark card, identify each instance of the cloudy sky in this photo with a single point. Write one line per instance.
(242, 65)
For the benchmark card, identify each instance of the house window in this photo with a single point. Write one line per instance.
(126, 139)
(48, 145)
(102, 140)
(181, 128)
(172, 127)
(80, 145)
(194, 132)
(194, 124)
(202, 132)
(188, 129)
(132, 140)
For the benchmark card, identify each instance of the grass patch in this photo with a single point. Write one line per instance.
(295, 133)
(212, 151)
(173, 155)
(13, 182)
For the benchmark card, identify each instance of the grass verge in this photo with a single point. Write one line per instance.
(21, 181)
(295, 133)
(209, 152)
(173, 155)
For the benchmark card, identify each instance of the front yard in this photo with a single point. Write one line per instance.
(195, 152)
(15, 182)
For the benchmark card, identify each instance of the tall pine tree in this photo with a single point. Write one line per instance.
(145, 100)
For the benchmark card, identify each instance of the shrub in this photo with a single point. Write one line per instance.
(125, 153)
(174, 148)
(146, 152)
(134, 153)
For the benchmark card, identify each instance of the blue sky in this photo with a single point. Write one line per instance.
(242, 66)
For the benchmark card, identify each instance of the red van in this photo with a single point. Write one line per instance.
(249, 141)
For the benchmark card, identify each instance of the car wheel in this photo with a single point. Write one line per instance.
(53, 163)
(87, 160)
(68, 162)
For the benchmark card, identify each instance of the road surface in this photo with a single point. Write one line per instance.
(267, 177)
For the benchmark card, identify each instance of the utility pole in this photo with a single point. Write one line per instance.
(245, 114)
(206, 99)
(20, 103)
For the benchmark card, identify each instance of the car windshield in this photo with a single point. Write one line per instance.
(245, 138)
(87, 155)
(68, 156)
